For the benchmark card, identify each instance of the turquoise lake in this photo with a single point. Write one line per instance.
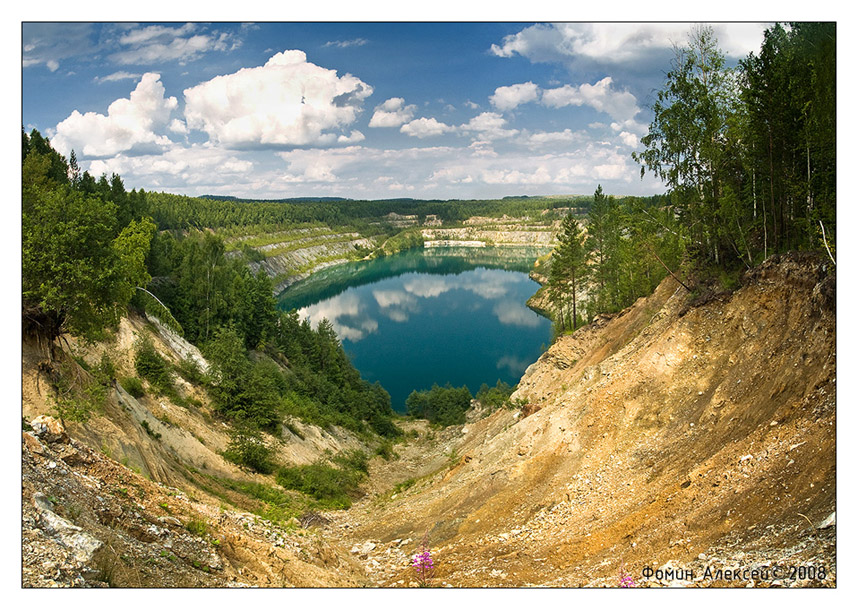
(435, 315)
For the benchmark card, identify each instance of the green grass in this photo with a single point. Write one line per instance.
(198, 527)
(407, 484)
(133, 386)
(272, 503)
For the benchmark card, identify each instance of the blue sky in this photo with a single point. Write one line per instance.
(358, 110)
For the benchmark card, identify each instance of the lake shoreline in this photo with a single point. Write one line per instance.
(430, 316)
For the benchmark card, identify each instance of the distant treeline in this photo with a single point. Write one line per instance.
(182, 212)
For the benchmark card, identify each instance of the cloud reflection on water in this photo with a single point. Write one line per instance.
(395, 304)
(352, 318)
(428, 286)
(346, 314)
(491, 284)
(511, 313)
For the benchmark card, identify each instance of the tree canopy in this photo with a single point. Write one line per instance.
(750, 154)
(80, 263)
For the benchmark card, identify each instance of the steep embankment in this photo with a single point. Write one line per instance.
(671, 435)
(678, 435)
(102, 503)
(181, 434)
(91, 522)
(290, 256)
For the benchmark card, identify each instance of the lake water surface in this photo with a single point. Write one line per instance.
(437, 315)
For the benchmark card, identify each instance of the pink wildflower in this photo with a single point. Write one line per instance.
(423, 564)
(626, 580)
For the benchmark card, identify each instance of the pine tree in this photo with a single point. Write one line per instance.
(569, 267)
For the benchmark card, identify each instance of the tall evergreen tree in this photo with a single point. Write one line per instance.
(568, 268)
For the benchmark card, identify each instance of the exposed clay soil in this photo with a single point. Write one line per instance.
(675, 435)
(666, 436)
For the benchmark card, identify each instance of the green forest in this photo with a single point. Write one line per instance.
(181, 212)
(749, 157)
(91, 250)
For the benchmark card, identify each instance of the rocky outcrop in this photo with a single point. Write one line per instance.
(449, 243)
(90, 522)
(542, 236)
(297, 264)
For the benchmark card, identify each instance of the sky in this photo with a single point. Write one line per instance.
(356, 110)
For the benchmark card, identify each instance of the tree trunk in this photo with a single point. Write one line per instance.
(574, 305)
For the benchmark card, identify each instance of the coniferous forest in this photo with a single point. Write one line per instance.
(749, 157)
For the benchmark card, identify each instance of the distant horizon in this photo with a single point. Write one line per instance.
(424, 199)
(367, 111)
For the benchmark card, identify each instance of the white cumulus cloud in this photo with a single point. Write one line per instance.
(392, 113)
(507, 98)
(178, 126)
(180, 169)
(629, 139)
(489, 126)
(131, 124)
(425, 128)
(554, 138)
(628, 44)
(353, 138)
(287, 102)
(620, 105)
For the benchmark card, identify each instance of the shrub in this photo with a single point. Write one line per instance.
(75, 397)
(152, 367)
(353, 460)
(277, 505)
(198, 527)
(133, 386)
(333, 487)
(190, 371)
(149, 430)
(251, 253)
(246, 448)
(105, 371)
(385, 449)
(78, 403)
(495, 397)
(243, 390)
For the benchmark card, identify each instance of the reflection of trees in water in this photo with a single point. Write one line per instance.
(442, 261)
